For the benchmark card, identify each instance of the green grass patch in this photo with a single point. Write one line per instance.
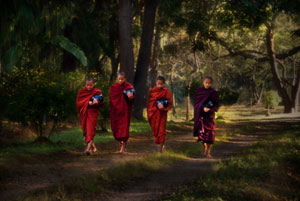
(64, 140)
(268, 171)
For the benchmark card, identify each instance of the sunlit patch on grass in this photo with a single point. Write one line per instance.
(260, 173)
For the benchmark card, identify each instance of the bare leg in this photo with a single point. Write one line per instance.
(88, 148)
(204, 148)
(161, 147)
(123, 147)
(94, 147)
(208, 150)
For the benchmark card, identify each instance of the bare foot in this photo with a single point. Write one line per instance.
(87, 152)
(208, 156)
(94, 148)
(161, 148)
(121, 147)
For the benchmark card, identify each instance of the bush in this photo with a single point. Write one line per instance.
(36, 98)
(270, 99)
(227, 96)
(244, 96)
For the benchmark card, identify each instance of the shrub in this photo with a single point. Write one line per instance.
(270, 99)
(227, 96)
(36, 98)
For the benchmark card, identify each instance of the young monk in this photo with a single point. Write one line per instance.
(88, 108)
(121, 100)
(157, 110)
(206, 103)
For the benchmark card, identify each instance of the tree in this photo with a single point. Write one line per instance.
(255, 14)
(141, 74)
(126, 45)
(154, 58)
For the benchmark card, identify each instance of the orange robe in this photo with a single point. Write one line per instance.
(156, 117)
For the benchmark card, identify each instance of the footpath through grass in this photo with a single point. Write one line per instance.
(105, 182)
(70, 139)
(116, 178)
(64, 140)
(268, 171)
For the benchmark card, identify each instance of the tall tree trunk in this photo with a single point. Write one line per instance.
(172, 90)
(69, 60)
(195, 66)
(274, 68)
(141, 74)
(296, 91)
(126, 45)
(256, 90)
(114, 67)
(154, 59)
(188, 100)
(260, 94)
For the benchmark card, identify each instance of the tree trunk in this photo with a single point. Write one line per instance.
(154, 59)
(187, 113)
(126, 45)
(296, 91)
(256, 91)
(114, 67)
(260, 94)
(141, 74)
(69, 60)
(274, 68)
(172, 90)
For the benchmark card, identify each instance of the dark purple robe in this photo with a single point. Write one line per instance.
(205, 121)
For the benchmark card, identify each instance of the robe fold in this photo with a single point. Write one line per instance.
(120, 111)
(204, 122)
(88, 113)
(158, 118)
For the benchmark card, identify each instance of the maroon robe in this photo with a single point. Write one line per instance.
(156, 117)
(205, 121)
(88, 113)
(120, 111)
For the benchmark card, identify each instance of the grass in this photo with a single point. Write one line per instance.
(73, 139)
(236, 178)
(107, 180)
(117, 177)
(268, 171)
(65, 140)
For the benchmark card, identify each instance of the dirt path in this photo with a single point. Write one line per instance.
(168, 180)
(43, 171)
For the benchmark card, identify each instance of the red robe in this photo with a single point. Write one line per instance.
(88, 114)
(156, 117)
(120, 111)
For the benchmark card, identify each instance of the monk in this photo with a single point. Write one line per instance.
(88, 109)
(206, 103)
(121, 98)
(159, 102)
